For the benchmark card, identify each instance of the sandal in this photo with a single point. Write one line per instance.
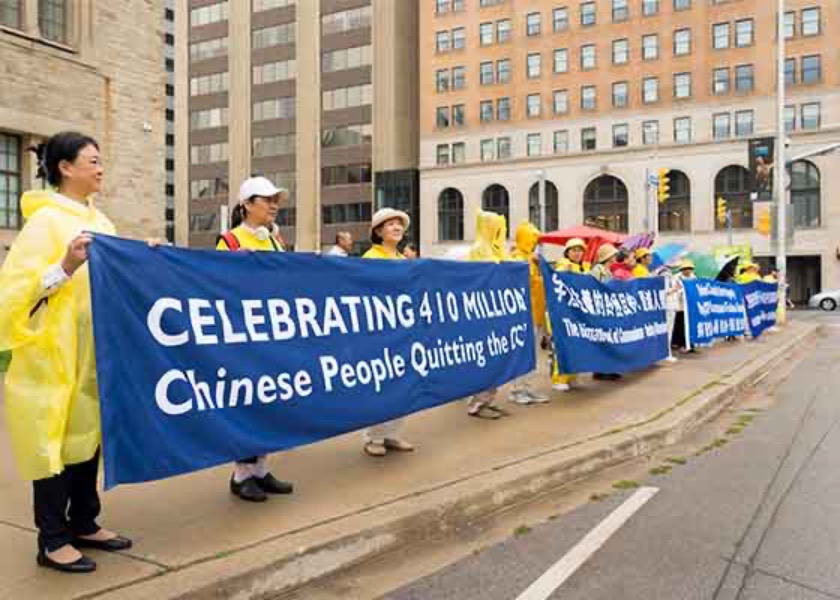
(375, 449)
(498, 410)
(484, 412)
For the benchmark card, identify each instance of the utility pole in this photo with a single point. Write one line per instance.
(780, 169)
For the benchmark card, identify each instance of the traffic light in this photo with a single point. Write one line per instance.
(721, 211)
(664, 190)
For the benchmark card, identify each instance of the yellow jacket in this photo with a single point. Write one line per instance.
(249, 241)
(52, 402)
(527, 237)
(490, 236)
(747, 277)
(564, 264)
(641, 271)
(379, 251)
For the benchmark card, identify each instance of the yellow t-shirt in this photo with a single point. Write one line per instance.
(379, 251)
(640, 271)
(249, 241)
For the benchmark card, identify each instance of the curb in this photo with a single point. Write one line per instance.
(279, 566)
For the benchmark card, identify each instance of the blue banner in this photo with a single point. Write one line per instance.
(761, 301)
(613, 327)
(713, 309)
(205, 357)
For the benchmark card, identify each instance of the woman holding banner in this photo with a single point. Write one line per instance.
(680, 336)
(252, 222)
(386, 232)
(52, 402)
(572, 262)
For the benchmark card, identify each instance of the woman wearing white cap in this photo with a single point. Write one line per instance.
(386, 232)
(252, 225)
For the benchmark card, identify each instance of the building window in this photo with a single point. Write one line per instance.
(682, 130)
(10, 15)
(620, 11)
(650, 47)
(276, 108)
(650, 7)
(214, 83)
(811, 21)
(790, 71)
(503, 31)
(52, 20)
(275, 71)
(620, 94)
(560, 19)
(485, 73)
(208, 118)
(278, 35)
(443, 41)
(811, 115)
(503, 148)
(561, 141)
(744, 33)
(621, 135)
(650, 133)
(744, 78)
(682, 42)
(503, 109)
(811, 69)
(204, 15)
(588, 139)
(496, 199)
(721, 126)
(346, 175)
(561, 60)
(534, 65)
(442, 154)
(675, 212)
(587, 57)
(459, 77)
(650, 90)
(621, 51)
(560, 102)
(503, 70)
(349, 97)
(459, 38)
(486, 111)
(208, 49)
(720, 81)
(263, 5)
(733, 184)
(588, 97)
(443, 6)
(533, 24)
(458, 115)
(534, 105)
(208, 153)
(588, 13)
(720, 36)
(459, 153)
(488, 150)
(805, 190)
(744, 123)
(450, 215)
(682, 85)
(534, 144)
(790, 24)
(347, 135)
(605, 204)
(551, 206)
(486, 34)
(682, 4)
(790, 118)
(10, 181)
(347, 20)
(273, 145)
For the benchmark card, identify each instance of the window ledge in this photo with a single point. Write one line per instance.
(37, 39)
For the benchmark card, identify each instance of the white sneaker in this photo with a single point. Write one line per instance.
(561, 387)
(671, 359)
(538, 398)
(520, 397)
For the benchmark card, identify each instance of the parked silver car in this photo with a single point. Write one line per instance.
(825, 300)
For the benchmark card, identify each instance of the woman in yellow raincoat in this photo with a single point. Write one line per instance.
(643, 260)
(252, 221)
(527, 237)
(489, 246)
(387, 229)
(52, 402)
(571, 262)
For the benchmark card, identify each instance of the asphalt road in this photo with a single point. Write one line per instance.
(758, 519)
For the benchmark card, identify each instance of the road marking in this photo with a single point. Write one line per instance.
(552, 579)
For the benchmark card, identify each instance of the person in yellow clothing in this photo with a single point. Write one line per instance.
(252, 221)
(527, 237)
(643, 258)
(52, 401)
(571, 262)
(387, 229)
(489, 246)
(749, 272)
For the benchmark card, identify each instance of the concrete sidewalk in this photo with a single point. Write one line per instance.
(194, 540)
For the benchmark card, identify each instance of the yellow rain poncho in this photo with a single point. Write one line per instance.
(52, 403)
(490, 236)
(527, 236)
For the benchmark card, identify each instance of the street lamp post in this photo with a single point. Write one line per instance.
(781, 168)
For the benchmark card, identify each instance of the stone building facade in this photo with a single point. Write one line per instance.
(95, 67)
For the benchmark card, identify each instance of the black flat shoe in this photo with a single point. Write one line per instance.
(82, 565)
(115, 544)
(271, 485)
(249, 490)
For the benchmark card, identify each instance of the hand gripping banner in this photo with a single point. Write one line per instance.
(207, 357)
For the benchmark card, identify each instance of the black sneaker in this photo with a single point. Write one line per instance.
(271, 485)
(249, 490)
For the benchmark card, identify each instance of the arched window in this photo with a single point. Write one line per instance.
(605, 204)
(805, 194)
(496, 199)
(733, 185)
(450, 215)
(675, 213)
(552, 206)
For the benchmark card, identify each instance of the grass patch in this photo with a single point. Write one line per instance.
(521, 530)
(662, 470)
(598, 497)
(753, 411)
(625, 484)
(676, 460)
(718, 443)
(5, 359)
(734, 430)
(745, 420)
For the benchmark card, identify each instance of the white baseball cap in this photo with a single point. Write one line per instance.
(257, 186)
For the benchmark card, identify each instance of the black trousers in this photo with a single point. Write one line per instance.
(66, 505)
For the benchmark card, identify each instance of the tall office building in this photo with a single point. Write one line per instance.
(594, 96)
(318, 95)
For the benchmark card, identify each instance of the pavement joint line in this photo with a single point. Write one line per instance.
(581, 552)
(795, 582)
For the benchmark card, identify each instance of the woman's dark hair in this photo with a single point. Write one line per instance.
(237, 215)
(411, 246)
(622, 256)
(62, 146)
(375, 237)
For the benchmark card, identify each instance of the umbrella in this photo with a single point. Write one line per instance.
(668, 255)
(726, 268)
(705, 265)
(639, 240)
(593, 236)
